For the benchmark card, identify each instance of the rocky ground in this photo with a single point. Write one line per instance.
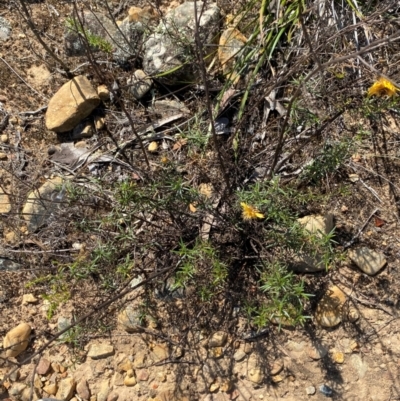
(55, 125)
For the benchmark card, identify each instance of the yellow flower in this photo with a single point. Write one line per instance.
(382, 87)
(250, 212)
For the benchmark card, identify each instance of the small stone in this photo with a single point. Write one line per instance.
(310, 390)
(99, 351)
(326, 390)
(104, 391)
(353, 315)
(317, 351)
(103, 92)
(214, 387)
(66, 389)
(226, 385)
(3, 156)
(153, 146)
(216, 352)
(248, 348)
(368, 260)
(4, 138)
(130, 381)
(10, 237)
(359, 365)
(239, 355)
(329, 309)
(113, 396)
(131, 320)
(218, 339)
(99, 122)
(73, 102)
(16, 340)
(255, 375)
(29, 299)
(139, 84)
(82, 389)
(118, 379)
(277, 367)
(277, 378)
(124, 366)
(160, 352)
(139, 360)
(338, 357)
(17, 389)
(43, 367)
(143, 375)
(51, 389)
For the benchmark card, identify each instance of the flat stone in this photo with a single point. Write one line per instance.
(310, 390)
(43, 366)
(317, 351)
(368, 260)
(66, 389)
(42, 203)
(330, 308)
(5, 205)
(276, 367)
(218, 339)
(139, 84)
(131, 320)
(255, 375)
(143, 375)
(103, 391)
(239, 355)
(51, 389)
(82, 389)
(130, 381)
(99, 351)
(5, 29)
(73, 102)
(160, 352)
(29, 299)
(359, 365)
(139, 359)
(17, 339)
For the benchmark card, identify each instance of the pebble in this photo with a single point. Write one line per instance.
(130, 381)
(329, 309)
(82, 389)
(50, 389)
(5, 204)
(3, 156)
(139, 360)
(276, 367)
(104, 391)
(255, 375)
(143, 375)
(368, 260)
(218, 339)
(326, 390)
(310, 390)
(4, 138)
(338, 357)
(277, 378)
(139, 84)
(17, 339)
(66, 389)
(43, 367)
(239, 355)
(359, 365)
(28, 299)
(99, 351)
(153, 146)
(131, 320)
(317, 351)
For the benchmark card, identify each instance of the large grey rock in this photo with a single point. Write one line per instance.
(169, 53)
(124, 41)
(42, 203)
(73, 102)
(5, 29)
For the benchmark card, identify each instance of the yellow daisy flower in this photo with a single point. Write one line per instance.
(249, 212)
(382, 87)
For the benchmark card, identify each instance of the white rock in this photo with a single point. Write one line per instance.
(368, 260)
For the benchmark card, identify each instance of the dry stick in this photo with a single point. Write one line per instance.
(207, 93)
(35, 31)
(366, 49)
(102, 306)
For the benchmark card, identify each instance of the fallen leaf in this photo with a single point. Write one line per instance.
(192, 208)
(179, 144)
(379, 222)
